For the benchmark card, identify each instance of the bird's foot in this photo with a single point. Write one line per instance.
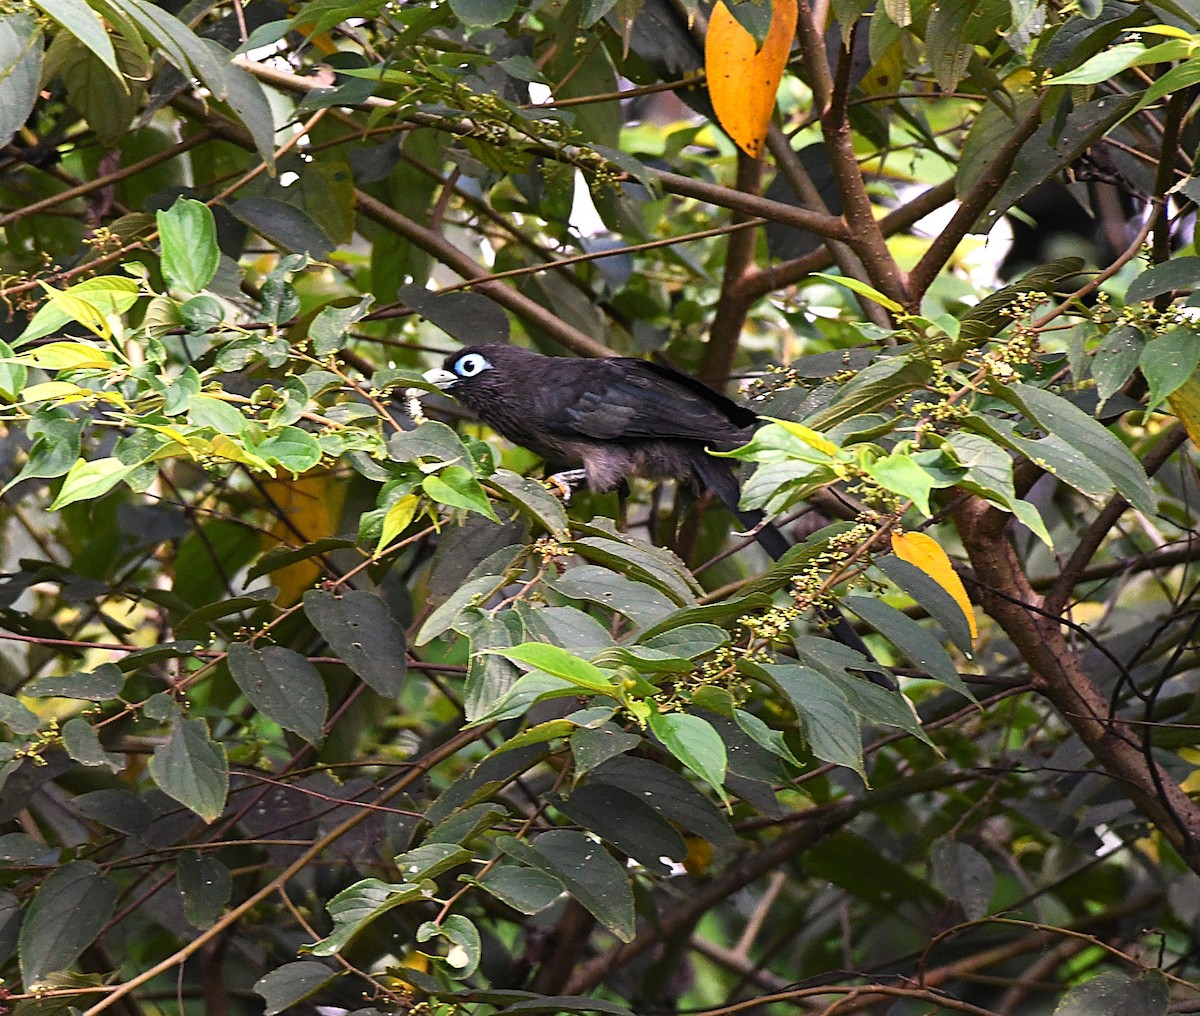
(566, 481)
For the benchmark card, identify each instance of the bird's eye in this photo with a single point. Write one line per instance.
(470, 365)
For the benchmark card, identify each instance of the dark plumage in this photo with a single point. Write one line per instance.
(614, 418)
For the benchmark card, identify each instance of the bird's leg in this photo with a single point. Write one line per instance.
(622, 506)
(566, 480)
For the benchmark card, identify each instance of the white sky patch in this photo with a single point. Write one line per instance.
(585, 220)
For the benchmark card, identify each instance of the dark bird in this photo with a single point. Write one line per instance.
(605, 420)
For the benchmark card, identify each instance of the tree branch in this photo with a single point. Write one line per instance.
(1059, 677)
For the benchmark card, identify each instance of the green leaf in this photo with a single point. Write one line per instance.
(21, 52)
(465, 948)
(695, 743)
(765, 737)
(445, 616)
(285, 986)
(1103, 65)
(289, 228)
(1115, 359)
(587, 871)
(85, 25)
(932, 597)
(327, 333)
(1177, 274)
(83, 745)
(989, 473)
(1168, 361)
(431, 860)
(18, 717)
(357, 906)
(862, 289)
(102, 684)
(86, 480)
(190, 256)
(641, 564)
(489, 676)
(177, 42)
(24, 851)
(829, 725)
(1079, 448)
(191, 768)
(294, 449)
(561, 664)
(899, 473)
(248, 100)
(668, 793)
(206, 886)
(1177, 79)
(483, 13)
(641, 603)
(621, 818)
(12, 375)
(69, 910)
(283, 686)
(468, 317)
(533, 499)
(946, 45)
(593, 747)
(914, 641)
(527, 890)
(1115, 993)
(457, 487)
(282, 557)
(360, 628)
(964, 875)
(689, 640)
(209, 411)
(874, 387)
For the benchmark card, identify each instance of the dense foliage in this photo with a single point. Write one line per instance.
(316, 695)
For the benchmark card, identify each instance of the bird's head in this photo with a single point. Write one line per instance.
(462, 370)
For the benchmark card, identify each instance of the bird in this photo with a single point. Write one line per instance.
(602, 421)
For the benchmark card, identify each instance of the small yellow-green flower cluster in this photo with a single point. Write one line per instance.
(720, 668)
(808, 586)
(771, 624)
(548, 548)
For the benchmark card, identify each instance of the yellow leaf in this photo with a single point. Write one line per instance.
(54, 391)
(742, 79)
(223, 447)
(818, 442)
(924, 552)
(79, 310)
(305, 509)
(1185, 404)
(64, 356)
(699, 855)
(397, 519)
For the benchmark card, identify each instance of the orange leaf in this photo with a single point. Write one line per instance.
(924, 552)
(742, 79)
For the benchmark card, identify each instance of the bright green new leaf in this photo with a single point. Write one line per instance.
(457, 487)
(862, 289)
(561, 664)
(695, 743)
(88, 480)
(190, 255)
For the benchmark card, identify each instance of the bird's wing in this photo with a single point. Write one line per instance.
(627, 398)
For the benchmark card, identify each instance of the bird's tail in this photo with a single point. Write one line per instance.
(717, 475)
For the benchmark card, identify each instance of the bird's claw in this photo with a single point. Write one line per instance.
(564, 482)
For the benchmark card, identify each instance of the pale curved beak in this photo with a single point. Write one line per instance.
(440, 377)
